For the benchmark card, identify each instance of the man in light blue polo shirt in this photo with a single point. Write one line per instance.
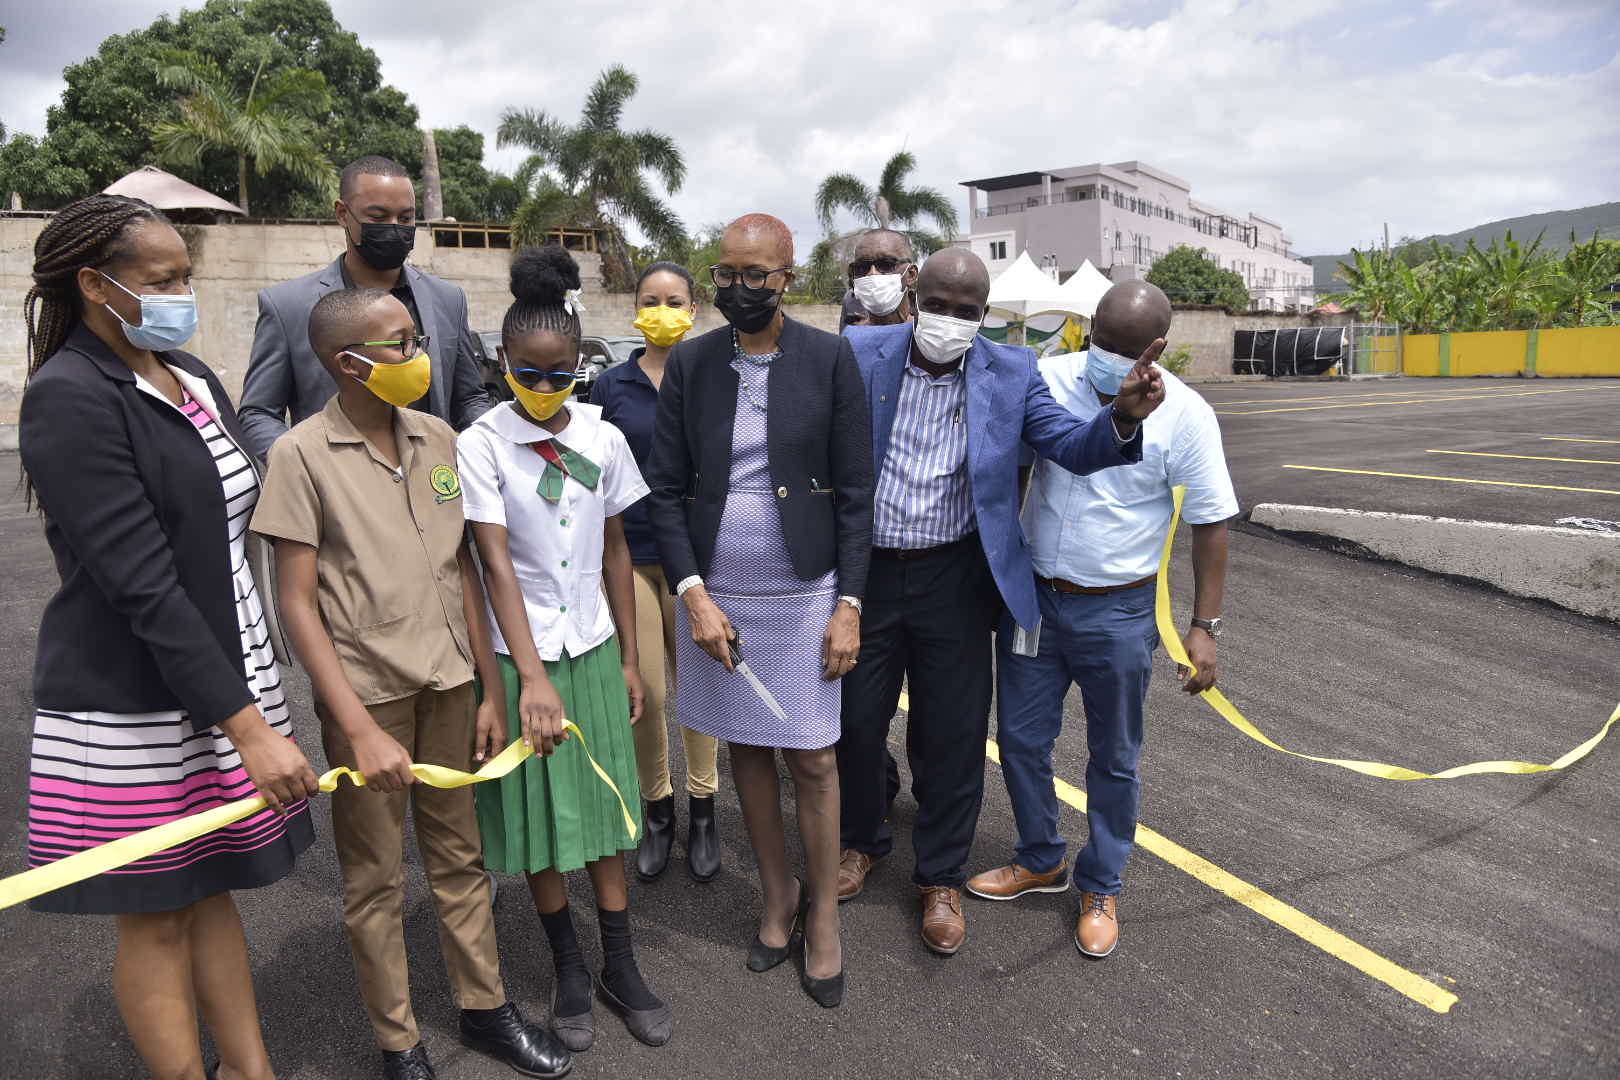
(1095, 541)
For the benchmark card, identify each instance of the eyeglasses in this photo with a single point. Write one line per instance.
(725, 277)
(408, 347)
(885, 265)
(531, 378)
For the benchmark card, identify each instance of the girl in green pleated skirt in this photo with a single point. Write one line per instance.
(543, 483)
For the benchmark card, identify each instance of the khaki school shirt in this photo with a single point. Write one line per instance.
(386, 544)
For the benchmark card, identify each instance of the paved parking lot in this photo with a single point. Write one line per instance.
(1497, 893)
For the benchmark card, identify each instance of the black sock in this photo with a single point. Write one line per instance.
(573, 997)
(619, 971)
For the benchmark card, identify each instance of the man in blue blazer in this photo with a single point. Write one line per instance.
(950, 411)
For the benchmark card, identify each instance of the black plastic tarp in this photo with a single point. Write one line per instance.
(1311, 350)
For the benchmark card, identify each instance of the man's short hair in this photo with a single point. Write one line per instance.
(905, 241)
(370, 165)
(335, 320)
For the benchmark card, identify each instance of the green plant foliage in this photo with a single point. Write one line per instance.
(103, 126)
(472, 192)
(1176, 360)
(889, 205)
(1189, 276)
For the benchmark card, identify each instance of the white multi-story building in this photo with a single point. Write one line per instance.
(1124, 217)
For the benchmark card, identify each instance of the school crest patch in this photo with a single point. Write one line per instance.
(446, 484)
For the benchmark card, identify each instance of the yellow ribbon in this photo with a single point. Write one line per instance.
(147, 842)
(1217, 700)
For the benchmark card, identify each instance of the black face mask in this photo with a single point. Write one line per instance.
(749, 310)
(384, 246)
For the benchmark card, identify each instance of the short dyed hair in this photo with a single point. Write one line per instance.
(334, 321)
(370, 165)
(773, 227)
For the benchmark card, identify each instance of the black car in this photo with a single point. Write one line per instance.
(596, 355)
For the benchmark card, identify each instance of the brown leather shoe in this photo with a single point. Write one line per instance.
(853, 866)
(1097, 932)
(943, 928)
(1012, 881)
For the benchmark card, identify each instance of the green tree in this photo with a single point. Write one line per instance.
(594, 173)
(102, 127)
(1189, 276)
(265, 127)
(472, 192)
(891, 204)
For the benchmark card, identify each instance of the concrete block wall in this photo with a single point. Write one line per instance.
(1207, 331)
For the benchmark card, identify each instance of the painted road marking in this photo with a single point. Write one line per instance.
(1262, 903)
(1453, 479)
(1439, 395)
(1414, 401)
(1529, 457)
(1571, 438)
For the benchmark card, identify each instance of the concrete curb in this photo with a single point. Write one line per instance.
(1573, 568)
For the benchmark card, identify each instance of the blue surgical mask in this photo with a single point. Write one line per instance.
(167, 320)
(1106, 371)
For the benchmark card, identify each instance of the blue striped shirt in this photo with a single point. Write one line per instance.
(923, 495)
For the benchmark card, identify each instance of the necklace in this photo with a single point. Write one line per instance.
(748, 388)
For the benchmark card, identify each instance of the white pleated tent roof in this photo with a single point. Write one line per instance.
(1085, 289)
(1024, 289)
(167, 191)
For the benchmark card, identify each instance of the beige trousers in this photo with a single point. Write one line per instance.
(655, 640)
(368, 830)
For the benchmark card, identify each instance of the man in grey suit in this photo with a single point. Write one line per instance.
(377, 208)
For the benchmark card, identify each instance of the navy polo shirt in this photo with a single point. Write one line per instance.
(630, 404)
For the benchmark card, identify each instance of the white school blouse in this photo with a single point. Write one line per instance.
(556, 546)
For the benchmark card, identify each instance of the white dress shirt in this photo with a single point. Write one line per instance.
(1108, 528)
(556, 546)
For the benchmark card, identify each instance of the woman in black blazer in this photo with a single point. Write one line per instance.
(156, 691)
(761, 499)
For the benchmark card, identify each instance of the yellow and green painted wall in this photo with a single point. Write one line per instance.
(1587, 350)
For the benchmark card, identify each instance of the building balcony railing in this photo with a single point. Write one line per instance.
(1228, 228)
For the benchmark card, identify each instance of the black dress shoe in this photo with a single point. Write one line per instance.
(502, 1034)
(651, 1026)
(657, 836)
(763, 957)
(412, 1064)
(702, 839)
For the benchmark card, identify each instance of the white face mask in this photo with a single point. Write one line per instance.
(942, 339)
(879, 294)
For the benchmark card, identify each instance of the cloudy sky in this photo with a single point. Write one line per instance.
(1332, 117)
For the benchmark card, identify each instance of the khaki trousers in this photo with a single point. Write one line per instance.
(655, 640)
(368, 827)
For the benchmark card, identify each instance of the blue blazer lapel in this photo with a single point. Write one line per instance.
(884, 393)
(981, 385)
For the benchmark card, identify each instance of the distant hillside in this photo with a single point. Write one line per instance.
(1554, 227)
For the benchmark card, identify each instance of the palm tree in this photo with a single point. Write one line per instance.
(269, 125)
(891, 203)
(599, 173)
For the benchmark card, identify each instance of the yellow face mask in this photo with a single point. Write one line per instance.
(538, 404)
(663, 326)
(398, 384)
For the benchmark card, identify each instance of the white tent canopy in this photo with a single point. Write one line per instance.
(1024, 289)
(1085, 289)
(168, 192)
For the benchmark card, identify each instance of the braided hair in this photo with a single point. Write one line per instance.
(542, 278)
(91, 232)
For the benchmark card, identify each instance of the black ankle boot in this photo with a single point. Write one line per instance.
(657, 835)
(702, 839)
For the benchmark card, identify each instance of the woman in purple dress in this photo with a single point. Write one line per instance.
(761, 481)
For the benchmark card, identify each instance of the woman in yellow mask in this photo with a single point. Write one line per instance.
(666, 303)
(545, 483)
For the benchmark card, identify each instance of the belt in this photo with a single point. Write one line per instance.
(907, 554)
(1059, 585)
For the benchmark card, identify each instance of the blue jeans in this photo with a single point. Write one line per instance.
(1105, 644)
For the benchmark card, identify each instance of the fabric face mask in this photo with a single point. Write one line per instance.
(879, 294)
(398, 384)
(167, 320)
(385, 246)
(749, 310)
(942, 339)
(537, 403)
(663, 326)
(1106, 371)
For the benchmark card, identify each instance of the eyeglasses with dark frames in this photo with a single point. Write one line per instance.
(408, 347)
(724, 276)
(885, 265)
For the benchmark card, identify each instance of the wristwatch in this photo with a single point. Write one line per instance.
(854, 602)
(1212, 627)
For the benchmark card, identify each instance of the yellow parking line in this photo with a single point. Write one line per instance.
(1453, 479)
(1414, 401)
(1262, 903)
(1529, 457)
(1439, 395)
(1571, 438)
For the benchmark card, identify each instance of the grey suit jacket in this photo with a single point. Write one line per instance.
(284, 376)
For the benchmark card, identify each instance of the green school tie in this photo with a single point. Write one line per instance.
(562, 463)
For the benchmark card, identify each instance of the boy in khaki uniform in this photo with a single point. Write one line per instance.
(381, 600)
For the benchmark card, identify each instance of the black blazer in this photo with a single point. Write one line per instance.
(819, 433)
(145, 619)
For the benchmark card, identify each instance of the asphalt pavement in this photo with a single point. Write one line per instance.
(1500, 890)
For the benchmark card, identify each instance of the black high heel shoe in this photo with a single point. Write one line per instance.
(828, 992)
(763, 957)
